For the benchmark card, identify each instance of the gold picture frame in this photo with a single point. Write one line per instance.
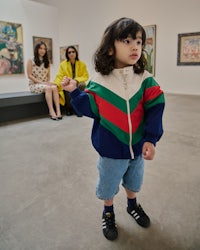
(150, 48)
(63, 51)
(48, 42)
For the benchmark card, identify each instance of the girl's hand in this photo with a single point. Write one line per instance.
(69, 84)
(148, 151)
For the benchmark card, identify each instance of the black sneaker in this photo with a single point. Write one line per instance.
(109, 227)
(139, 215)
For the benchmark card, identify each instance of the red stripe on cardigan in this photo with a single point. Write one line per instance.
(117, 116)
(152, 92)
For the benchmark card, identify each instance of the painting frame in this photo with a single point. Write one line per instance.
(48, 42)
(63, 51)
(150, 48)
(188, 49)
(11, 48)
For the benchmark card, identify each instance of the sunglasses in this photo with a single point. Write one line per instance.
(69, 52)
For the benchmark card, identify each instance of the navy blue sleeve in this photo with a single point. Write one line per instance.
(153, 129)
(80, 102)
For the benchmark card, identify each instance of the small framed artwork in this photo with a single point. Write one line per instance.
(150, 48)
(48, 41)
(63, 51)
(188, 49)
(11, 48)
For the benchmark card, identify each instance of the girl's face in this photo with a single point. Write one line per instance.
(128, 51)
(42, 50)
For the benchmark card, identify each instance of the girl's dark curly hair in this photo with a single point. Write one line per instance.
(67, 55)
(37, 60)
(118, 30)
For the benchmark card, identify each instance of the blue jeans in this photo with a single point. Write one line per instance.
(113, 171)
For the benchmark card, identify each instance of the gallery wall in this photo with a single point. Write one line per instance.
(37, 20)
(82, 22)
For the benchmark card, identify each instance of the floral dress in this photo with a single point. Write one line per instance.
(40, 73)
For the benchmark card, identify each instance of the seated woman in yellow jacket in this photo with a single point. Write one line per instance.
(74, 68)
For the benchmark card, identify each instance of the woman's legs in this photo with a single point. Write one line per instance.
(49, 100)
(56, 100)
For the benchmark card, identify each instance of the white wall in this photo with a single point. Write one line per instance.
(37, 20)
(171, 18)
(83, 22)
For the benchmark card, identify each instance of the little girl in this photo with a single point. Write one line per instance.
(127, 105)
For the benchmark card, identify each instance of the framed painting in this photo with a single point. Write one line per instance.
(63, 51)
(11, 48)
(150, 48)
(188, 49)
(48, 42)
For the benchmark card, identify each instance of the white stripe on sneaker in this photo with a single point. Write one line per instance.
(135, 214)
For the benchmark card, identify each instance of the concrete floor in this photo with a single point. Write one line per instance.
(48, 177)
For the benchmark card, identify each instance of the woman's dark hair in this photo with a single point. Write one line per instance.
(67, 55)
(37, 60)
(118, 30)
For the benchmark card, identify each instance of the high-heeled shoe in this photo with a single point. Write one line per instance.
(53, 118)
(59, 117)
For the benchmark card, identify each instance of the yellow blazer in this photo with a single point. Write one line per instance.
(65, 69)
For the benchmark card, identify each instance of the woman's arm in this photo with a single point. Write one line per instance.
(29, 72)
(48, 74)
(60, 74)
(82, 72)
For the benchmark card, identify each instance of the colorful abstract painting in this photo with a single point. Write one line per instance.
(189, 49)
(11, 48)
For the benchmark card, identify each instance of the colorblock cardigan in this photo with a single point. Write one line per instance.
(127, 109)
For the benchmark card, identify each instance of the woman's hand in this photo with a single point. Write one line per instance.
(148, 151)
(46, 83)
(69, 84)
